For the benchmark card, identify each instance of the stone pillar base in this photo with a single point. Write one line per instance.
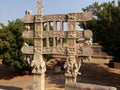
(70, 79)
(38, 82)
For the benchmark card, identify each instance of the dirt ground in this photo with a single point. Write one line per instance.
(95, 71)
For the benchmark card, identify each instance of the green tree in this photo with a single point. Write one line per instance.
(11, 42)
(105, 26)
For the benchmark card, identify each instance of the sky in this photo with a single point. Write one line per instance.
(13, 9)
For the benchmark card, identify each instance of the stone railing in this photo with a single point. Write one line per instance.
(84, 86)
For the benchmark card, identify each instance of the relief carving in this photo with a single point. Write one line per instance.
(88, 33)
(28, 19)
(71, 43)
(27, 27)
(26, 49)
(79, 34)
(38, 50)
(79, 52)
(47, 34)
(38, 34)
(28, 34)
(38, 30)
(72, 67)
(38, 64)
(71, 51)
(85, 16)
(38, 18)
(71, 25)
(71, 17)
(56, 17)
(54, 50)
(38, 42)
(86, 49)
(71, 34)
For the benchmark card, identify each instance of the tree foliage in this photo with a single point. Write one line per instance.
(105, 26)
(11, 42)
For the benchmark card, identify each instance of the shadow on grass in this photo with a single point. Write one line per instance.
(95, 74)
(9, 88)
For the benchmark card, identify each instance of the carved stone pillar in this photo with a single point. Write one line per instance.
(38, 63)
(48, 26)
(61, 25)
(38, 70)
(47, 40)
(61, 28)
(71, 66)
(54, 42)
(61, 41)
(54, 25)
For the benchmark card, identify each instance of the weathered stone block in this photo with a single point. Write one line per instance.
(84, 86)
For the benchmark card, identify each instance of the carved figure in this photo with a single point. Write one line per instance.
(86, 49)
(72, 67)
(39, 6)
(28, 12)
(88, 43)
(27, 27)
(38, 66)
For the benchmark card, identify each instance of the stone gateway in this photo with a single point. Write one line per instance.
(47, 41)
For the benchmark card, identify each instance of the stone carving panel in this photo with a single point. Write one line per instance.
(86, 16)
(55, 17)
(54, 50)
(72, 67)
(71, 43)
(71, 25)
(47, 34)
(79, 34)
(38, 18)
(38, 42)
(71, 51)
(38, 34)
(28, 19)
(71, 17)
(78, 50)
(38, 31)
(28, 34)
(71, 34)
(88, 33)
(63, 34)
(86, 51)
(38, 64)
(27, 49)
(38, 50)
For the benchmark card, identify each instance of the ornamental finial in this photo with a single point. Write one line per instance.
(39, 7)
